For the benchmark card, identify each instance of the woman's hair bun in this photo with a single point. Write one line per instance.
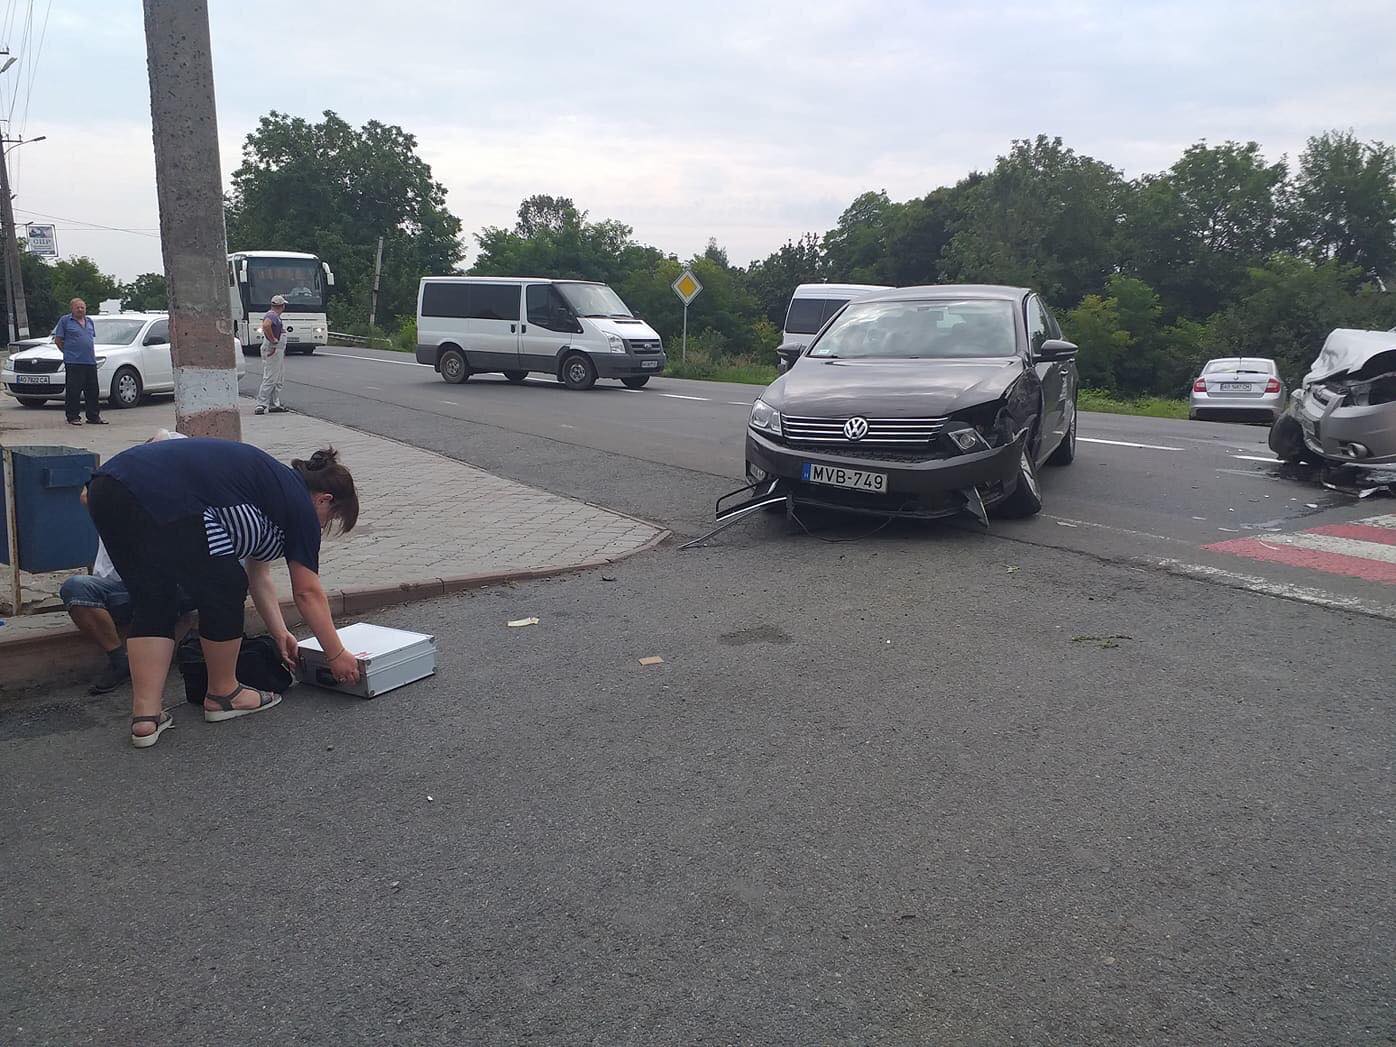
(319, 460)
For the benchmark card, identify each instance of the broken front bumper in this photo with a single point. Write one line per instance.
(1362, 436)
(920, 489)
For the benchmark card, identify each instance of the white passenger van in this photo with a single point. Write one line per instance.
(575, 330)
(812, 304)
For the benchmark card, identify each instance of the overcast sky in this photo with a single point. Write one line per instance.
(750, 122)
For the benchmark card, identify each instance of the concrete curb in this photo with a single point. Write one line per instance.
(60, 654)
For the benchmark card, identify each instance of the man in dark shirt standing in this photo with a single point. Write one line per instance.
(76, 337)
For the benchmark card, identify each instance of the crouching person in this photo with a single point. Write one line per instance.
(100, 607)
(182, 513)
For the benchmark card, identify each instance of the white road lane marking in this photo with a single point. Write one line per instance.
(1265, 587)
(451, 403)
(1327, 543)
(1124, 443)
(1256, 458)
(680, 396)
(740, 403)
(372, 359)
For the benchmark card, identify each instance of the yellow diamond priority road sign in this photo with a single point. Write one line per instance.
(687, 286)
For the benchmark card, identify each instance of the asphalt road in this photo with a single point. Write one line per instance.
(1146, 491)
(933, 786)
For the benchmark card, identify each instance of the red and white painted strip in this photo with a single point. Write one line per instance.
(1363, 549)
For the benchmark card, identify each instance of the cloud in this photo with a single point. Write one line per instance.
(749, 123)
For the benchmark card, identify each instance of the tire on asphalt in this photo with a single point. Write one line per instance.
(454, 369)
(126, 388)
(638, 381)
(1287, 440)
(516, 377)
(32, 401)
(577, 371)
(1026, 499)
(1065, 453)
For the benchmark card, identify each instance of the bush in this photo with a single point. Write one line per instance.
(405, 341)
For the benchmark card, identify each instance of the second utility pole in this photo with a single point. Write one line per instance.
(192, 235)
(377, 269)
(14, 276)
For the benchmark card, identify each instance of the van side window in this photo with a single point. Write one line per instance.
(494, 301)
(807, 315)
(547, 309)
(446, 300)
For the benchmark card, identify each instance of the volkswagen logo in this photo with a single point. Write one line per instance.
(855, 429)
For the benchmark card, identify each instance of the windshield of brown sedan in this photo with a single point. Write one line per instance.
(942, 329)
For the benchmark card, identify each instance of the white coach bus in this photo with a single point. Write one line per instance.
(254, 277)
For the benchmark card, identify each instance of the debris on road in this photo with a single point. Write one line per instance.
(653, 659)
(1105, 643)
(1012, 568)
(520, 623)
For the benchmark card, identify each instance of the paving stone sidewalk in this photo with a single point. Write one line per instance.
(423, 517)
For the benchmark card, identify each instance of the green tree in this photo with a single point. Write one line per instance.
(1195, 230)
(40, 301)
(1044, 217)
(333, 189)
(1345, 202)
(1288, 306)
(773, 280)
(553, 238)
(856, 248)
(79, 277)
(146, 292)
(917, 232)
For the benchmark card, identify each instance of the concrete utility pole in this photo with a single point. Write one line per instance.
(377, 269)
(192, 235)
(18, 312)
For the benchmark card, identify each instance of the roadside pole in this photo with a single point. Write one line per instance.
(14, 277)
(687, 287)
(377, 269)
(192, 235)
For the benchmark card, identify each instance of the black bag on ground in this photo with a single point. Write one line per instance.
(259, 666)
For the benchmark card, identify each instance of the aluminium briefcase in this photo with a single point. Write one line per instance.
(388, 659)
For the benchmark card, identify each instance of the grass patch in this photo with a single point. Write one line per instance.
(743, 370)
(1147, 406)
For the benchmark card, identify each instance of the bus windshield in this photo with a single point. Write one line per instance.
(300, 280)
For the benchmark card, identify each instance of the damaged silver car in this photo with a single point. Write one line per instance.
(1346, 410)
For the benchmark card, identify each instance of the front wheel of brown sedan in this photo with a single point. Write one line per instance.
(1026, 499)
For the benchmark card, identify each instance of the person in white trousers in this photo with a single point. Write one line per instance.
(273, 359)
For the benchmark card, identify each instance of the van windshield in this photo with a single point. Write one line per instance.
(594, 300)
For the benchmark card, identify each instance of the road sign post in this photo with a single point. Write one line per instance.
(687, 287)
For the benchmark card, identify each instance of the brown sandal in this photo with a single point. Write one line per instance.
(161, 722)
(225, 710)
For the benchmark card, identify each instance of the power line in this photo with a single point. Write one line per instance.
(29, 90)
(93, 225)
(34, 69)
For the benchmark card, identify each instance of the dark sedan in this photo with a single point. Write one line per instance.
(922, 402)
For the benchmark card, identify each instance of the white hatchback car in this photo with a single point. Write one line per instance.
(133, 361)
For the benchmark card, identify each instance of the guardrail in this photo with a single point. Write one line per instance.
(366, 341)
